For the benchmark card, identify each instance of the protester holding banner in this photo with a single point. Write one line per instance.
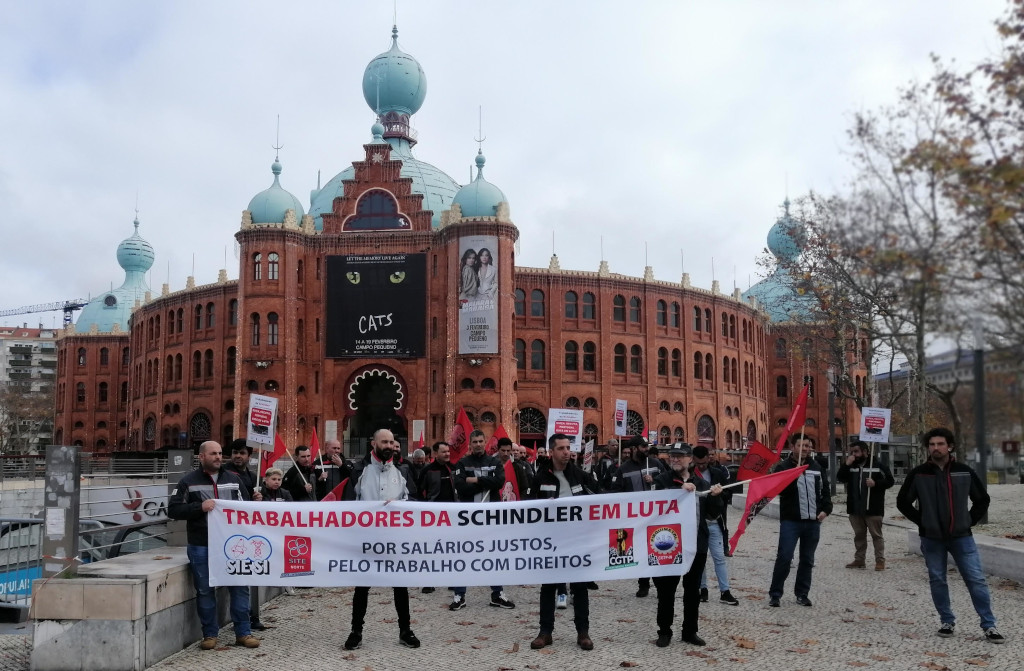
(299, 478)
(330, 471)
(560, 479)
(679, 477)
(865, 502)
(718, 529)
(192, 498)
(380, 480)
(803, 505)
(636, 475)
(480, 478)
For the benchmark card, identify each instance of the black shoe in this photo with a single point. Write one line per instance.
(592, 585)
(408, 639)
(804, 601)
(258, 626)
(692, 639)
(354, 640)
(642, 592)
(499, 601)
(427, 590)
(774, 602)
(993, 636)
(663, 640)
(946, 630)
(458, 602)
(728, 598)
(703, 594)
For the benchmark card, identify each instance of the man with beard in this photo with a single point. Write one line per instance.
(239, 465)
(679, 477)
(381, 480)
(330, 470)
(299, 478)
(636, 475)
(934, 497)
(559, 479)
(865, 502)
(479, 478)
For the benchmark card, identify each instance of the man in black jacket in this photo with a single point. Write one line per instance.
(714, 473)
(437, 481)
(241, 453)
(679, 477)
(636, 475)
(330, 470)
(191, 500)
(865, 502)
(554, 480)
(299, 478)
(803, 504)
(941, 488)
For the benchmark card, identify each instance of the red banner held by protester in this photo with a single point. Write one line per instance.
(267, 458)
(758, 462)
(760, 492)
(796, 419)
(459, 441)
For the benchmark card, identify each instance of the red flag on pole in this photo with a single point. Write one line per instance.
(336, 493)
(492, 444)
(759, 494)
(459, 441)
(758, 462)
(510, 492)
(267, 458)
(314, 447)
(796, 419)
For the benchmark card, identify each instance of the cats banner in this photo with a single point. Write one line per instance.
(572, 539)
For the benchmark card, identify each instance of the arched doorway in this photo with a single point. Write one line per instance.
(376, 398)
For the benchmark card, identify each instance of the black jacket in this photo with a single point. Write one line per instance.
(941, 495)
(437, 482)
(807, 496)
(186, 501)
(857, 502)
(335, 476)
(491, 476)
(629, 476)
(247, 477)
(706, 505)
(545, 484)
(279, 494)
(296, 487)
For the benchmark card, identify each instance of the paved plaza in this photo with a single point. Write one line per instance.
(860, 619)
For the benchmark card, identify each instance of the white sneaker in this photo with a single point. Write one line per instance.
(562, 602)
(290, 591)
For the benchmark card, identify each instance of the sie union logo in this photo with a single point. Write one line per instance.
(248, 555)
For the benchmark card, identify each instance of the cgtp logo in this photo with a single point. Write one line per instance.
(298, 556)
(620, 549)
(248, 555)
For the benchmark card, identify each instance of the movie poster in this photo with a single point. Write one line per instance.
(478, 294)
(376, 305)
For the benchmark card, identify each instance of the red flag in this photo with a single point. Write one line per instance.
(758, 462)
(510, 492)
(759, 494)
(796, 419)
(531, 454)
(267, 458)
(314, 447)
(420, 444)
(336, 493)
(459, 441)
(492, 444)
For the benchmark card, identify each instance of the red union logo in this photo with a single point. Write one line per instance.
(298, 556)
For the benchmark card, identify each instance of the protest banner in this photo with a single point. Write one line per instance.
(372, 543)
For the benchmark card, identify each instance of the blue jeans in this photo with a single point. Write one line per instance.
(968, 562)
(716, 548)
(206, 596)
(807, 532)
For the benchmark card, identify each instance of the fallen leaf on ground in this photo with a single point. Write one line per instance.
(744, 643)
(810, 641)
(976, 662)
(348, 657)
(515, 647)
(625, 620)
(481, 638)
(464, 624)
(870, 604)
(932, 666)
(697, 653)
(858, 644)
(801, 651)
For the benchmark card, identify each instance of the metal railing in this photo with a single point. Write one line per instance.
(21, 555)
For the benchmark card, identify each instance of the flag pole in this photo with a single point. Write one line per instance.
(871, 461)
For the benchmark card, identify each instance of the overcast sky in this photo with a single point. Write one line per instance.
(676, 124)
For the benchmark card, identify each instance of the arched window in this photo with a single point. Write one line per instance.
(781, 386)
(634, 310)
(178, 360)
(619, 308)
(725, 325)
(125, 356)
(571, 355)
(620, 358)
(673, 315)
(590, 402)
(725, 369)
(589, 306)
(696, 318)
(706, 428)
(677, 363)
(170, 322)
(532, 421)
(707, 319)
(233, 312)
(272, 329)
(709, 367)
(520, 302)
(663, 361)
(736, 372)
(663, 405)
(677, 406)
(273, 263)
(520, 354)
(255, 319)
(199, 317)
(199, 427)
(181, 320)
(571, 305)
(210, 321)
(572, 402)
(679, 435)
(536, 303)
(661, 315)
(102, 392)
(467, 383)
(80, 392)
(231, 361)
(698, 366)
(487, 383)
(257, 266)
(208, 368)
(82, 357)
(732, 326)
(169, 370)
(197, 366)
(636, 359)
(104, 356)
(635, 423)
(537, 355)
(590, 433)
(665, 435)
(589, 356)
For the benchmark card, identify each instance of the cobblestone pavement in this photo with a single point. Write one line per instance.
(876, 620)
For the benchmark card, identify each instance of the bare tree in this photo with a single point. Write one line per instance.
(25, 415)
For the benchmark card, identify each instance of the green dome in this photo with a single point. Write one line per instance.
(479, 198)
(134, 253)
(394, 81)
(270, 206)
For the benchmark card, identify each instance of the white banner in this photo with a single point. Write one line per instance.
(568, 421)
(620, 417)
(577, 539)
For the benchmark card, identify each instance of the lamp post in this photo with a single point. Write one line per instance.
(979, 407)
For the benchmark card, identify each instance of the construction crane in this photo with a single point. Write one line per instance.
(68, 307)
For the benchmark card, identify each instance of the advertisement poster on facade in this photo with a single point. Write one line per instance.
(376, 305)
(568, 421)
(875, 424)
(620, 417)
(262, 419)
(478, 294)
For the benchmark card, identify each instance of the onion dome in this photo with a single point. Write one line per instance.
(269, 206)
(394, 81)
(780, 294)
(114, 307)
(479, 198)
